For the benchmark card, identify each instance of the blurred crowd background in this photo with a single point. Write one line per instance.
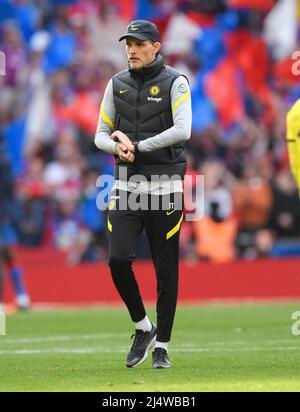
(237, 54)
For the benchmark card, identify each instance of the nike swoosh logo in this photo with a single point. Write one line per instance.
(123, 91)
(171, 213)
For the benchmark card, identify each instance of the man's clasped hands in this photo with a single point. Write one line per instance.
(125, 149)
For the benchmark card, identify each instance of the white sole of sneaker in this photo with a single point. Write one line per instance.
(150, 346)
(162, 367)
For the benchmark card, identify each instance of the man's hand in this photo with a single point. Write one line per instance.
(120, 137)
(124, 154)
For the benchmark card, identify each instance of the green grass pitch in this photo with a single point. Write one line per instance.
(214, 348)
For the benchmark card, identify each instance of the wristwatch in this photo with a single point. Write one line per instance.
(136, 146)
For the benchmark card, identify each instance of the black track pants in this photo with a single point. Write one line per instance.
(163, 229)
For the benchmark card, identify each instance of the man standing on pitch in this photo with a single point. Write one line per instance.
(145, 121)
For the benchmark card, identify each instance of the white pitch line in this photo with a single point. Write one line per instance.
(67, 338)
(270, 342)
(101, 350)
(96, 336)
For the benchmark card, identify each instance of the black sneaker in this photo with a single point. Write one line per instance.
(143, 342)
(160, 359)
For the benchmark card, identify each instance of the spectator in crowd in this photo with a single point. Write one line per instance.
(284, 223)
(30, 223)
(92, 218)
(31, 208)
(70, 235)
(252, 197)
(216, 232)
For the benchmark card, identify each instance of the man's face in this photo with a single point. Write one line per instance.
(141, 53)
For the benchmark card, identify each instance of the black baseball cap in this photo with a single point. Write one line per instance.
(142, 30)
